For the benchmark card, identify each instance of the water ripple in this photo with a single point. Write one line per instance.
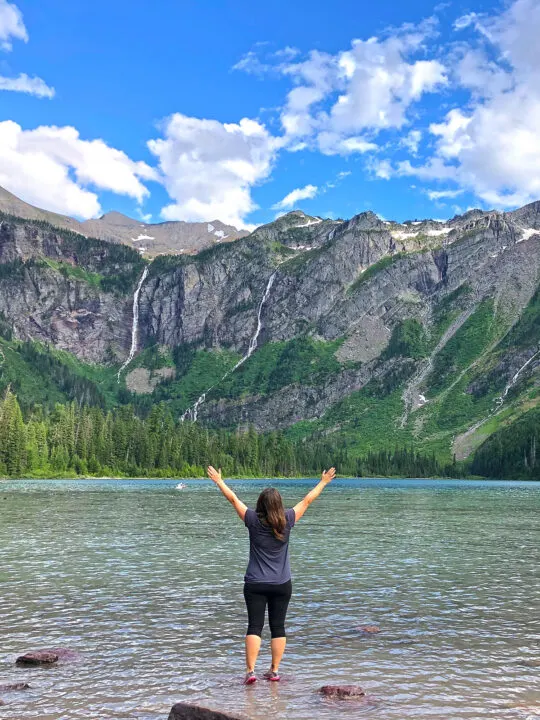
(146, 582)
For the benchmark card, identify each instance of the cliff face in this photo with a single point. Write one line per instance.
(59, 288)
(416, 312)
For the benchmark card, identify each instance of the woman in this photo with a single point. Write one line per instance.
(268, 576)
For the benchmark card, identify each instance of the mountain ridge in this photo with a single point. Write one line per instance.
(382, 334)
(151, 239)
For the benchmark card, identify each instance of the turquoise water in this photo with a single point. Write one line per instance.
(146, 582)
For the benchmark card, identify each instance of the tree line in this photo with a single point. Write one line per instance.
(84, 440)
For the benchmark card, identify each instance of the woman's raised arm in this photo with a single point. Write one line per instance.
(215, 476)
(326, 477)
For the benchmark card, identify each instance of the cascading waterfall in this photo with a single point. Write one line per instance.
(500, 400)
(255, 338)
(135, 323)
(193, 412)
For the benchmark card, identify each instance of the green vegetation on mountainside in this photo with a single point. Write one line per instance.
(42, 375)
(465, 346)
(511, 452)
(277, 364)
(195, 372)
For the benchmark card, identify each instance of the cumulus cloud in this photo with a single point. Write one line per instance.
(11, 25)
(209, 168)
(305, 193)
(492, 147)
(52, 167)
(30, 85)
(365, 89)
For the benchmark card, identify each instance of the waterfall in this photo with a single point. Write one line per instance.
(253, 343)
(193, 411)
(135, 323)
(499, 401)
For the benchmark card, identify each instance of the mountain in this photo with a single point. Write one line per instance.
(150, 239)
(379, 334)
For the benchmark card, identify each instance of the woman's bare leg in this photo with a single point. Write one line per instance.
(278, 648)
(253, 645)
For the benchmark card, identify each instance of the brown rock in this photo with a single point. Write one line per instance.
(369, 629)
(38, 657)
(533, 663)
(49, 656)
(14, 686)
(185, 711)
(342, 692)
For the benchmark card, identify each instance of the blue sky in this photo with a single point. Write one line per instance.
(198, 110)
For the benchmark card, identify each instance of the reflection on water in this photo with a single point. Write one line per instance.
(146, 581)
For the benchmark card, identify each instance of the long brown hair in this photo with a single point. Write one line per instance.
(271, 512)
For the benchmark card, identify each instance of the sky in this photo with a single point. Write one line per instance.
(239, 111)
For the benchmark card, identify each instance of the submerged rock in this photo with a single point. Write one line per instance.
(49, 656)
(369, 629)
(38, 657)
(185, 711)
(342, 692)
(12, 687)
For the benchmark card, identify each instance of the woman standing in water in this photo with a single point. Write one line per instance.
(268, 575)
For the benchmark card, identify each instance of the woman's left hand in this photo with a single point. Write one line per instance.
(213, 474)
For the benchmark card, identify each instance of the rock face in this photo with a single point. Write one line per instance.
(63, 289)
(350, 282)
(185, 711)
(342, 692)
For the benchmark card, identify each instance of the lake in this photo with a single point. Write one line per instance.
(146, 581)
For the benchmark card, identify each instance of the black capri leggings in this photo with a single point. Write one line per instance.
(257, 596)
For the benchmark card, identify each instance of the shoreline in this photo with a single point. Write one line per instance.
(303, 478)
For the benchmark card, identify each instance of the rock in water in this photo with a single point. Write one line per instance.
(184, 711)
(369, 629)
(49, 656)
(342, 692)
(14, 686)
(38, 657)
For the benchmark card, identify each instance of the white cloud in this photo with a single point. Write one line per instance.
(368, 88)
(32, 86)
(491, 146)
(209, 168)
(331, 143)
(306, 193)
(39, 165)
(412, 141)
(11, 25)
(382, 169)
(466, 21)
(442, 194)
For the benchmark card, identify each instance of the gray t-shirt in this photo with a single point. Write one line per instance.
(268, 556)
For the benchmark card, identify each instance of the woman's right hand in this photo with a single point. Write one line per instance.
(213, 474)
(328, 475)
